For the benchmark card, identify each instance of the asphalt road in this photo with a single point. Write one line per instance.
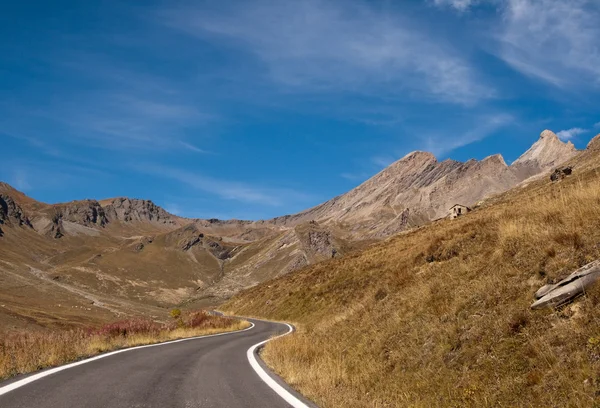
(205, 372)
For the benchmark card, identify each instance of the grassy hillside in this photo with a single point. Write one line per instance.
(440, 316)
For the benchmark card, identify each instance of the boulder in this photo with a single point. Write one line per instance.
(543, 291)
(569, 288)
(560, 174)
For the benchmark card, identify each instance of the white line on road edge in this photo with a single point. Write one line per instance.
(18, 384)
(282, 392)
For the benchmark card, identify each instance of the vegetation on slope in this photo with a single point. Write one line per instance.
(440, 316)
(27, 351)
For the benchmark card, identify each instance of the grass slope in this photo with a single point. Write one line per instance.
(440, 316)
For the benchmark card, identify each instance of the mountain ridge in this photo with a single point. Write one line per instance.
(440, 185)
(546, 152)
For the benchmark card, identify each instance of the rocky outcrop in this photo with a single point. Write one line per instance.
(216, 248)
(139, 245)
(317, 241)
(88, 213)
(184, 238)
(561, 173)
(85, 213)
(130, 210)
(11, 213)
(569, 288)
(55, 228)
(190, 237)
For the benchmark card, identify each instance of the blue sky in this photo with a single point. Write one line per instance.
(253, 109)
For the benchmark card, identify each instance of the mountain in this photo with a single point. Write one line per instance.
(87, 260)
(418, 188)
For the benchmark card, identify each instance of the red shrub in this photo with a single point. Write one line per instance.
(130, 327)
(196, 319)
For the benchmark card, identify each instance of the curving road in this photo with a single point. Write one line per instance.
(204, 372)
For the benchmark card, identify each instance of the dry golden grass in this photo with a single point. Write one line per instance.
(24, 352)
(440, 317)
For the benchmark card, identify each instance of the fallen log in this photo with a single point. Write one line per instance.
(569, 288)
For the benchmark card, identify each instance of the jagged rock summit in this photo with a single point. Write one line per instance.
(594, 143)
(128, 210)
(548, 152)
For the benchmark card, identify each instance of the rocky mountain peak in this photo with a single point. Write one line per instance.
(132, 209)
(418, 156)
(495, 159)
(548, 134)
(86, 212)
(546, 153)
(594, 143)
(414, 161)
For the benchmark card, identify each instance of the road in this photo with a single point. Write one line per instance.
(206, 372)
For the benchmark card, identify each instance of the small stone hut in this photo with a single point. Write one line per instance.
(457, 210)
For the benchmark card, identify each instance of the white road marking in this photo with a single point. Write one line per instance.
(282, 392)
(18, 384)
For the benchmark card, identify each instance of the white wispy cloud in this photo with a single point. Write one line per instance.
(460, 5)
(226, 189)
(569, 134)
(46, 148)
(192, 148)
(20, 179)
(553, 40)
(383, 161)
(31, 175)
(440, 144)
(352, 176)
(174, 209)
(121, 121)
(320, 45)
(121, 108)
(597, 125)
(369, 168)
